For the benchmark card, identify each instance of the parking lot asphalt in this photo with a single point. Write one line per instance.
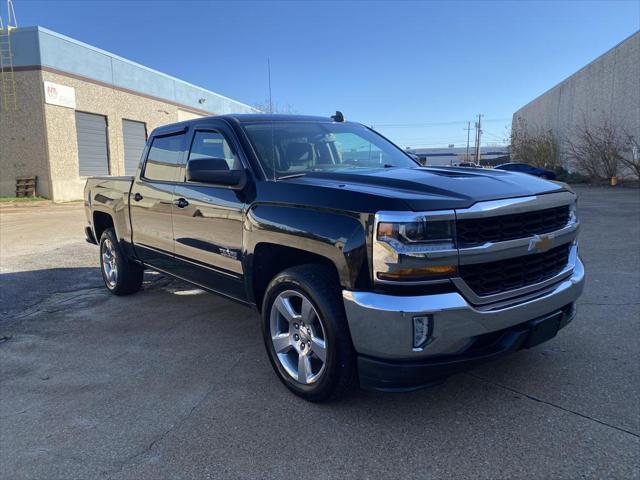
(175, 383)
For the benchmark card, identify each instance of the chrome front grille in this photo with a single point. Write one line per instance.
(512, 273)
(478, 231)
(513, 247)
(502, 249)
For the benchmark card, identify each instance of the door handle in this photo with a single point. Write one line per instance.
(137, 197)
(181, 203)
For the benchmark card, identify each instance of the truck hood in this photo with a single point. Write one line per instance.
(424, 188)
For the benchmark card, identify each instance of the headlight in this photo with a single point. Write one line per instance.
(414, 248)
(417, 235)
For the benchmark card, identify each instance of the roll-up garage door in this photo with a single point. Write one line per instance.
(92, 144)
(135, 138)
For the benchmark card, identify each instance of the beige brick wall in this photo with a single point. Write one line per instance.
(116, 105)
(23, 150)
(40, 139)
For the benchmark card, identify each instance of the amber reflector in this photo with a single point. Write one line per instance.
(385, 229)
(413, 273)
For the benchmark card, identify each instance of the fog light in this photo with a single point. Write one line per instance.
(422, 327)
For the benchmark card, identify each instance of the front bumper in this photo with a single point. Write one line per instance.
(382, 331)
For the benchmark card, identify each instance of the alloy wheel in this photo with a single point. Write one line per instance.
(298, 337)
(109, 265)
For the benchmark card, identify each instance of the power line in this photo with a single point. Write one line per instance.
(495, 136)
(429, 138)
(434, 124)
(445, 144)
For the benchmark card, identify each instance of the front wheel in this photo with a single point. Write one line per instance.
(121, 277)
(306, 333)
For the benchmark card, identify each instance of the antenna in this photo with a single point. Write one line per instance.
(273, 143)
(269, 74)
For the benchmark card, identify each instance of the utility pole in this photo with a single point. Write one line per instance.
(478, 135)
(468, 129)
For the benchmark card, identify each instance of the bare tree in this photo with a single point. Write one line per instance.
(274, 107)
(535, 146)
(597, 149)
(631, 159)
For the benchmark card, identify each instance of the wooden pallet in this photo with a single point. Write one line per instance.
(26, 186)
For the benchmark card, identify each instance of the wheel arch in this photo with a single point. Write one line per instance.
(101, 221)
(277, 237)
(269, 259)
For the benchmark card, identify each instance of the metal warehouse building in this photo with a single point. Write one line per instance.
(70, 110)
(493, 155)
(607, 89)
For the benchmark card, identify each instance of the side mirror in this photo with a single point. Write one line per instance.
(215, 171)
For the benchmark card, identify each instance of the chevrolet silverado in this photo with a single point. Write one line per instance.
(366, 267)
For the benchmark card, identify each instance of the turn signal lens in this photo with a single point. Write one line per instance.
(418, 273)
(385, 229)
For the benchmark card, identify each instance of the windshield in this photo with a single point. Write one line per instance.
(296, 148)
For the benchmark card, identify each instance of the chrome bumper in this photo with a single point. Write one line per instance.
(382, 325)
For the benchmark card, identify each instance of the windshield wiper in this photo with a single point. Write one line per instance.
(293, 175)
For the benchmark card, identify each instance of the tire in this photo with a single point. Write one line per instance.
(306, 328)
(121, 276)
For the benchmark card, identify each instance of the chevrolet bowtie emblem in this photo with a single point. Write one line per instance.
(540, 243)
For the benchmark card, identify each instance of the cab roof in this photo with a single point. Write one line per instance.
(264, 117)
(240, 119)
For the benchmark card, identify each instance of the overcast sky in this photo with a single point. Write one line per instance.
(417, 71)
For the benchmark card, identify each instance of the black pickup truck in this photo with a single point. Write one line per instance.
(365, 267)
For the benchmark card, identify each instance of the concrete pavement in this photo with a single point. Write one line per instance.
(175, 383)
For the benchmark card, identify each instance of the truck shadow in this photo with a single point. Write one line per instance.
(23, 293)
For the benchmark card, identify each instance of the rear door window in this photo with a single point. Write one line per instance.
(163, 160)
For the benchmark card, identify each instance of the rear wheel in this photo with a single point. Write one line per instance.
(306, 333)
(121, 277)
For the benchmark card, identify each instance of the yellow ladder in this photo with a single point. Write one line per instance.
(7, 76)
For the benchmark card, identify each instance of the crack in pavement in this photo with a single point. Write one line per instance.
(611, 304)
(50, 398)
(178, 423)
(559, 407)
